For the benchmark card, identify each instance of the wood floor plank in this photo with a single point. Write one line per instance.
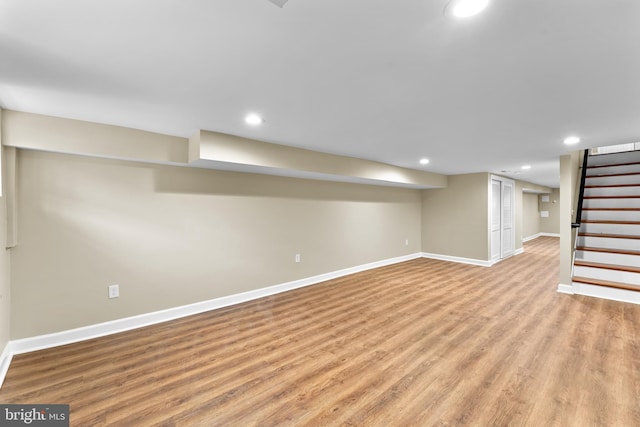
(420, 343)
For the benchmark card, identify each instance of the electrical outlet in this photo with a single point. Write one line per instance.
(297, 257)
(406, 242)
(114, 291)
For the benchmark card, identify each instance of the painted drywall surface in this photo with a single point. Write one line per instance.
(455, 219)
(518, 215)
(172, 235)
(38, 132)
(569, 164)
(551, 224)
(209, 150)
(530, 215)
(5, 295)
(220, 147)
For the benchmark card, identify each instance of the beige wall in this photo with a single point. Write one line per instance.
(569, 166)
(455, 219)
(551, 224)
(205, 149)
(38, 132)
(519, 215)
(530, 214)
(5, 295)
(528, 221)
(172, 235)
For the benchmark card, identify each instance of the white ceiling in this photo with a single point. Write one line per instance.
(385, 80)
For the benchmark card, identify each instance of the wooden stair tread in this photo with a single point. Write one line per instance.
(607, 266)
(607, 283)
(632, 196)
(611, 209)
(608, 250)
(613, 174)
(612, 186)
(611, 236)
(612, 164)
(608, 221)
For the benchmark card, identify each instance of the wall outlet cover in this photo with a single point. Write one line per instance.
(114, 291)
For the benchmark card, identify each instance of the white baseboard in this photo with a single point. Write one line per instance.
(40, 342)
(535, 236)
(565, 289)
(519, 251)
(550, 235)
(5, 361)
(461, 260)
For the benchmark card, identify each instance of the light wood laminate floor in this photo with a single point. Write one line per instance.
(420, 343)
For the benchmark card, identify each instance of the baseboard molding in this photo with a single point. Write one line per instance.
(519, 251)
(565, 289)
(5, 361)
(529, 238)
(550, 235)
(535, 236)
(461, 260)
(40, 342)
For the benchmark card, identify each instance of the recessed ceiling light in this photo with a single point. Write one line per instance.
(465, 8)
(253, 119)
(525, 167)
(571, 140)
(424, 161)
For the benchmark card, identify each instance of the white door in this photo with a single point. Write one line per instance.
(496, 211)
(508, 232)
(502, 216)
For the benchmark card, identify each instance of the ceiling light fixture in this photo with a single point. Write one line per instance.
(424, 161)
(465, 8)
(253, 119)
(525, 167)
(571, 140)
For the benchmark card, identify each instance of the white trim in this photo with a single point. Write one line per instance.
(535, 236)
(622, 295)
(512, 183)
(461, 260)
(5, 361)
(518, 251)
(40, 342)
(550, 235)
(565, 289)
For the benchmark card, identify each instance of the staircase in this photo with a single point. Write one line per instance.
(607, 258)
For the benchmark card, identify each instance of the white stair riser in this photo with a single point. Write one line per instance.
(629, 229)
(606, 292)
(611, 215)
(613, 180)
(612, 203)
(617, 158)
(607, 170)
(609, 243)
(606, 274)
(613, 191)
(609, 258)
